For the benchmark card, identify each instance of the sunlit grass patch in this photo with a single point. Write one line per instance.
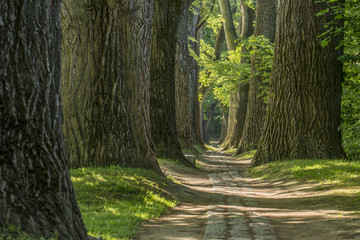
(339, 179)
(199, 148)
(163, 160)
(231, 151)
(341, 172)
(211, 148)
(246, 155)
(113, 201)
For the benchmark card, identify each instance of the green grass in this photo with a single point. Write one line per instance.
(199, 148)
(211, 148)
(162, 160)
(246, 155)
(14, 233)
(231, 151)
(113, 201)
(340, 172)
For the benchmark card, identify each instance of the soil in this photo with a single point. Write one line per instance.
(221, 201)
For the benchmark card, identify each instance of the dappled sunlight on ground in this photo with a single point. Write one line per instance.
(267, 210)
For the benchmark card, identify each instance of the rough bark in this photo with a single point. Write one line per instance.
(225, 116)
(106, 73)
(239, 99)
(303, 113)
(162, 71)
(206, 123)
(36, 193)
(265, 24)
(230, 36)
(185, 82)
(203, 90)
(198, 105)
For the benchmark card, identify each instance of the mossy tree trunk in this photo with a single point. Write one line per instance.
(167, 14)
(36, 192)
(303, 114)
(265, 24)
(106, 73)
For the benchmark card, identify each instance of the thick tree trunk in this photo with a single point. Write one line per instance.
(198, 106)
(255, 116)
(185, 82)
(206, 123)
(232, 119)
(106, 72)
(224, 126)
(239, 99)
(230, 36)
(203, 90)
(167, 14)
(36, 193)
(303, 113)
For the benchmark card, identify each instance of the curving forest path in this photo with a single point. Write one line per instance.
(222, 202)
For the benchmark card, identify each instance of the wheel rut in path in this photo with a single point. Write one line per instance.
(231, 220)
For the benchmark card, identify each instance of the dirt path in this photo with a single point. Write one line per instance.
(223, 202)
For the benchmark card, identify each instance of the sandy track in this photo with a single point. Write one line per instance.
(223, 202)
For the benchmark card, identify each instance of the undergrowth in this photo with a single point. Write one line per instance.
(113, 201)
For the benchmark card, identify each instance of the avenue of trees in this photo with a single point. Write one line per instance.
(101, 83)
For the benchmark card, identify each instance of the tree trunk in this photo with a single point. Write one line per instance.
(239, 99)
(230, 36)
(106, 72)
(185, 78)
(206, 123)
(229, 28)
(255, 116)
(198, 105)
(162, 99)
(224, 126)
(303, 113)
(36, 193)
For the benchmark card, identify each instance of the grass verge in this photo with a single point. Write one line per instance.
(246, 155)
(113, 201)
(340, 172)
(14, 233)
(340, 178)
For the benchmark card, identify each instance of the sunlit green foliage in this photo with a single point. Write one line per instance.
(224, 75)
(113, 201)
(351, 88)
